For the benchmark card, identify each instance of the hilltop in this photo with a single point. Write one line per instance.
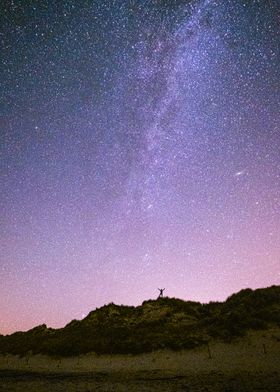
(156, 324)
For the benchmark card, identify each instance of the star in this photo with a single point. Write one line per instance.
(240, 173)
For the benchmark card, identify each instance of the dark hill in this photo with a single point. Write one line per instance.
(156, 324)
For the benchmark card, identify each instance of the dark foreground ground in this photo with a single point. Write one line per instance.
(11, 381)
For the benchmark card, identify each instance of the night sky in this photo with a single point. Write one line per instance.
(140, 148)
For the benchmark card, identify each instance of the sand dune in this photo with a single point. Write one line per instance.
(250, 362)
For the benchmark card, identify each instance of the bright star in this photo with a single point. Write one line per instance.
(239, 173)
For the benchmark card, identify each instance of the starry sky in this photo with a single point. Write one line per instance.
(140, 148)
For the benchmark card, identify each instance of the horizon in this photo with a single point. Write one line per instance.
(140, 148)
(83, 316)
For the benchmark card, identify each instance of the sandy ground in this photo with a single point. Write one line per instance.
(249, 364)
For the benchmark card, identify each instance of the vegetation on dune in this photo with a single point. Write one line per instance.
(156, 324)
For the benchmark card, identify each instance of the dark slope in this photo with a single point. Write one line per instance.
(156, 324)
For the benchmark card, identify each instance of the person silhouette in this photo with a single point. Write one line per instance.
(161, 293)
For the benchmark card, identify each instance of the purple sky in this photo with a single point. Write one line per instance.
(140, 148)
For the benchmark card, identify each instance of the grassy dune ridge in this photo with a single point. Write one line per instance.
(165, 323)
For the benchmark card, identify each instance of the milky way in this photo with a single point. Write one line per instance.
(140, 148)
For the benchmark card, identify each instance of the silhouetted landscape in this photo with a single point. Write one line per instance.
(163, 345)
(165, 323)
